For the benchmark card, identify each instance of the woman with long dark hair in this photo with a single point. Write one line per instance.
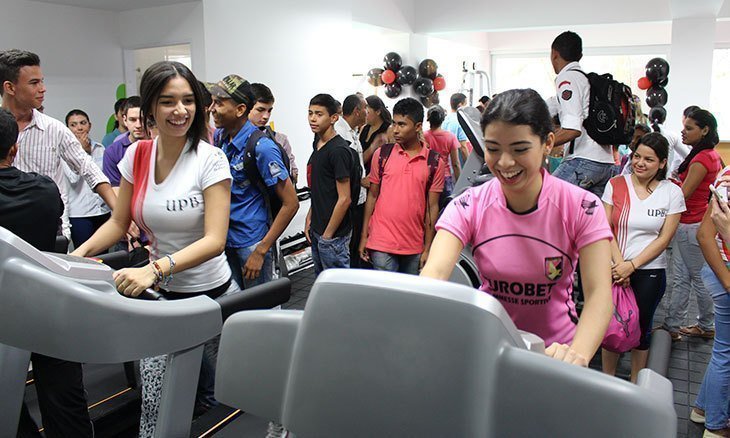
(374, 133)
(696, 173)
(177, 188)
(643, 209)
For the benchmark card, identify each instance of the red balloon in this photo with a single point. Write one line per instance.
(644, 83)
(388, 76)
(439, 83)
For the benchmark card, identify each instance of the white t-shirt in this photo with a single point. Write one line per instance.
(678, 151)
(573, 93)
(639, 222)
(345, 131)
(173, 211)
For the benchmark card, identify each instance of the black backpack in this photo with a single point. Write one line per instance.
(273, 203)
(611, 115)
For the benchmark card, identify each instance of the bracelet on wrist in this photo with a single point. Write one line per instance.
(632, 264)
(168, 279)
(157, 271)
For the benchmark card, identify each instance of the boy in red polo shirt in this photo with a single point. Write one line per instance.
(402, 208)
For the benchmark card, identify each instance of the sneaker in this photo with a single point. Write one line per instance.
(697, 416)
(276, 430)
(697, 331)
(716, 433)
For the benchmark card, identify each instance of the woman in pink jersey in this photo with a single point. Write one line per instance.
(711, 406)
(527, 230)
(446, 144)
(696, 172)
(643, 208)
(177, 188)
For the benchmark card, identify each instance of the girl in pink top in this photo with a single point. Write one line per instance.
(446, 144)
(527, 230)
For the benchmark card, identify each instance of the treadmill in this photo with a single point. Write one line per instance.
(68, 307)
(386, 354)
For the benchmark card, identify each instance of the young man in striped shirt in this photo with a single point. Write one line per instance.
(44, 141)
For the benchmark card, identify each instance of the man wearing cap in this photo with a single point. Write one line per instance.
(250, 233)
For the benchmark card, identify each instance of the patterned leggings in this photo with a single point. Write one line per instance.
(153, 372)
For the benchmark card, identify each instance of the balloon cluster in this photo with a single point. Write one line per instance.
(657, 77)
(394, 76)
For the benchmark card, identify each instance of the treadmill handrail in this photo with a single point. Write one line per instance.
(264, 296)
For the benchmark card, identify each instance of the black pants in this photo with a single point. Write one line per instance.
(357, 218)
(61, 398)
(648, 286)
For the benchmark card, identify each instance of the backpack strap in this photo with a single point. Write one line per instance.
(252, 170)
(433, 164)
(385, 151)
(140, 173)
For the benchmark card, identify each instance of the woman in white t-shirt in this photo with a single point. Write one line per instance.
(643, 209)
(177, 189)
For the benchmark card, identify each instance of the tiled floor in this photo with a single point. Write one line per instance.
(687, 363)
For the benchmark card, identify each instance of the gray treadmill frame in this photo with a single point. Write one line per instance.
(71, 310)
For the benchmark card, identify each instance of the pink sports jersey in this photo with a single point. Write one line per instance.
(527, 261)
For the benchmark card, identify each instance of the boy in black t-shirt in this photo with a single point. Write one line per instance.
(328, 227)
(31, 208)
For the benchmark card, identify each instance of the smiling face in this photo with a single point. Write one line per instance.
(515, 155)
(645, 163)
(174, 110)
(226, 112)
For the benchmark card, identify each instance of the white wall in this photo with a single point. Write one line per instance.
(79, 51)
(297, 48)
(165, 26)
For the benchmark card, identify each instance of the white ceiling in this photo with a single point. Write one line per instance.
(116, 5)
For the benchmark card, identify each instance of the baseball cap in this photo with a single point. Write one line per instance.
(232, 87)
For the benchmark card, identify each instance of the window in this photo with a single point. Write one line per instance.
(720, 89)
(535, 70)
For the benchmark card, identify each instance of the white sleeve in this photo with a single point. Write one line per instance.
(608, 193)
(570, 103)
(676, 200)
(215, 167)
(126, 165)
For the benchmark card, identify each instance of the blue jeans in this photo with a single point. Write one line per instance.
(383, 261)
(237, 258)
(329, 253)
(714, 392)
(687, 262)
(586, 174)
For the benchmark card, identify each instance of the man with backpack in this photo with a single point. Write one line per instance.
(263, 198)
(406, 181)
(586, 163)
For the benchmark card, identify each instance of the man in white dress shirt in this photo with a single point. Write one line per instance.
(44, 141)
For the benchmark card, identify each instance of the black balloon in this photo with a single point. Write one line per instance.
(657, 70)
(428, 69)
(430, 100)
(407, 75)
(393, 90)
(374, 78)
(423, 86)
(656, 96)
(392, 61)
(658, 114)
(663, 83)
